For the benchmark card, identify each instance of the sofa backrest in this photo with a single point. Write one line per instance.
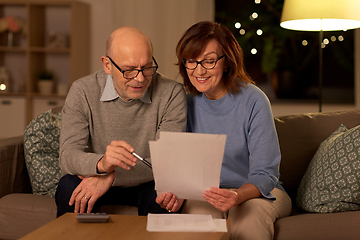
(300, 136)
(13, 173)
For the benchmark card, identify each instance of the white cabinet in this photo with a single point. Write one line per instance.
(41, 105)
(12, 116)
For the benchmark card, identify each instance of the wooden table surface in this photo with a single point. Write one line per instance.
(118, 227)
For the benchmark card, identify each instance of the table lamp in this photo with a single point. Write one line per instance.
(320, 15)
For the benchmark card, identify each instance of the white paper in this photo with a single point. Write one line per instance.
(184, 223)
(187, 164)
(220, 225)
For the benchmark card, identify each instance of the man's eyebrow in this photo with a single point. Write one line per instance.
(134, 67)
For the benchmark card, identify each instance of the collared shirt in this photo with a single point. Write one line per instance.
(87, 121)
(110, 92)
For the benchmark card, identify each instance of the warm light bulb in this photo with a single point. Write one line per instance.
(242, 31)
(2, 87)
(257, 1)
(326, 41)
(253, 51)
(237, 25)
(341, 38)
(320, 24)
(304, 43)
(259, 32)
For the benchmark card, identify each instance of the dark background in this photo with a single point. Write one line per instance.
(283, 67)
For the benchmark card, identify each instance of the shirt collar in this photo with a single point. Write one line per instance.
(110, 92)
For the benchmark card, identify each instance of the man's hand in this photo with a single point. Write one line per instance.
(169, 201)
(89, 191)
(222, 199)
(118, 154)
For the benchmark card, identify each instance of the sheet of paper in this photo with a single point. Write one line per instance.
(187, 164)
(184, 223)
(220, 225)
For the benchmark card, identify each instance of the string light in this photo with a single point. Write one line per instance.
(254, 15)
(259, 32)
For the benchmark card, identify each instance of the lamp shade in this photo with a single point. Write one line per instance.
(316, 15)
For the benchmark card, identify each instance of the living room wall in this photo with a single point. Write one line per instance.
(163, 21)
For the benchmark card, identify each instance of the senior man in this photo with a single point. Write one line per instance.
(109, 115)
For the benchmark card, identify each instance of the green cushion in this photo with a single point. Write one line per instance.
(332, 180)
(41, 145)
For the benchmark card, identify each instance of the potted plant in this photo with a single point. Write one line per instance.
(46, 82)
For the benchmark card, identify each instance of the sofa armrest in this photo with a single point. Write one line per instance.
(13, 173)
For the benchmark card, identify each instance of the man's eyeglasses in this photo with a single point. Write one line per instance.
(133, 73)
(208, 64)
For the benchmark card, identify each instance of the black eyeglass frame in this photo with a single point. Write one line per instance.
(141, 70)
(200, 62)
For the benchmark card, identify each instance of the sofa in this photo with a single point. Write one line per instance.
(300, 136)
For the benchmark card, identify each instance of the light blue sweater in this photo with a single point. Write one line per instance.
(252, 153)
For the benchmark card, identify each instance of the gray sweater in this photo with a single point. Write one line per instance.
(89, 125)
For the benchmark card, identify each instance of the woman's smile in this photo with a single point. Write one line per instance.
(202, 79)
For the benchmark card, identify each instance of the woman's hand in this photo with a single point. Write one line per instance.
(170, 202)
(222, 199)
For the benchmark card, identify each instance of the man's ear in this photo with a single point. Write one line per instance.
(106, 65)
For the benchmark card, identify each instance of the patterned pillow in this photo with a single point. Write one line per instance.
(332, 181)
(41, 145)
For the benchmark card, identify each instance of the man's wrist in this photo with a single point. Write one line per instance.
(99, 167)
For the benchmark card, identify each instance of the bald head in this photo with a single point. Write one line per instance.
(127, 39)
(129, 50)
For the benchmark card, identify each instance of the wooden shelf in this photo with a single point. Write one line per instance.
(12, 49)
(50, 50)
(34, 52)
(45, 96)
(13, 94)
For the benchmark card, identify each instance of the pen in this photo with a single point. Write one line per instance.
(142, 160)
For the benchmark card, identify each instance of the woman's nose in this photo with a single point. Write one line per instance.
(200, 69)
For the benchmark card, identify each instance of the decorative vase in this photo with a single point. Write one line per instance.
(45, 86)
(10, 39)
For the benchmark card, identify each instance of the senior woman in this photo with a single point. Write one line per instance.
(223, 99)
